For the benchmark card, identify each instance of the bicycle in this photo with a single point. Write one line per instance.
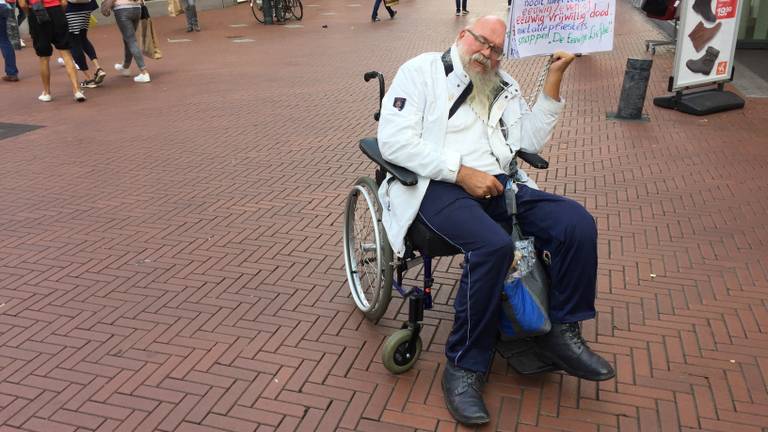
(281, 9)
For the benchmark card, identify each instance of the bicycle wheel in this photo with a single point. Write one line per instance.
(367, 254)
(297, 9)
(258, 10)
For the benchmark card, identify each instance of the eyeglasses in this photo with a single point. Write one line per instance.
(496, 52)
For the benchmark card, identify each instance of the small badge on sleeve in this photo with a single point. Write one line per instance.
(399, 103)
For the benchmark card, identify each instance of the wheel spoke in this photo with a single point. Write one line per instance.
(365, 253)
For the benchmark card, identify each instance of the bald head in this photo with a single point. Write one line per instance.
(490, 24)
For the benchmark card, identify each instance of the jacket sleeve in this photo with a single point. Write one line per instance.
(400, 133)
(537, 124)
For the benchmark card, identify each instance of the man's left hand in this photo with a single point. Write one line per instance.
(560, 61)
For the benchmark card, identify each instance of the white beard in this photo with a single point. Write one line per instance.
(485, 85)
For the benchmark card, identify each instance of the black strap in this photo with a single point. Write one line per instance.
(447, 63)
(448, 68)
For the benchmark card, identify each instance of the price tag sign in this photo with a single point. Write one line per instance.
(725, 9)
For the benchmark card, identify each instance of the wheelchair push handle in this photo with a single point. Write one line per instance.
(369, 76)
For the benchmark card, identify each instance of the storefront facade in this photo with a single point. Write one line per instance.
(753, 29)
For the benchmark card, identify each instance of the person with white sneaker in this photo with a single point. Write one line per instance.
(127, 16)
(48, 28)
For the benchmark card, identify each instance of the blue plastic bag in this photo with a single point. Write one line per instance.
(524, 306)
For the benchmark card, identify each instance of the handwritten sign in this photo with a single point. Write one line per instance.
(544, 26)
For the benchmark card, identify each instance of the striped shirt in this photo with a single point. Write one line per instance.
(79, 15)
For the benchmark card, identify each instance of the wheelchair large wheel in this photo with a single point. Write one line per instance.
(396, 356)
(367, 254)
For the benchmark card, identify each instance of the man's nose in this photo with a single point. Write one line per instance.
(488, 48)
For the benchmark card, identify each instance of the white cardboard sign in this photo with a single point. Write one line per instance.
(536, 27)
(706, 42)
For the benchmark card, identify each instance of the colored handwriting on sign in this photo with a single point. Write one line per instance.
(545, 26)
(725, 9)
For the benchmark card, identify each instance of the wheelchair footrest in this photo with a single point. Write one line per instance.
(522, 356)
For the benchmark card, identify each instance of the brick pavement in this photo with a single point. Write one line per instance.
(170, 254)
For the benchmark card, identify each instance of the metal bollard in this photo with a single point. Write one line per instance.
(633, 90)
(267, 5)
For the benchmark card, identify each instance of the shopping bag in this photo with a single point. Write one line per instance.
(149, 45)
(174, 8)
(524, 299)
(390, 3)
(144, 12)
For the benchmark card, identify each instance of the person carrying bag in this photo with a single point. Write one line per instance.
(128, 13)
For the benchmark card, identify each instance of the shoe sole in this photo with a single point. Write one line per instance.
(557, 363)
(453, 410)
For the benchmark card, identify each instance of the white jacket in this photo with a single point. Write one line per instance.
(413, 136)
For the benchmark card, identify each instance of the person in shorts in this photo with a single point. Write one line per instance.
(48, 28)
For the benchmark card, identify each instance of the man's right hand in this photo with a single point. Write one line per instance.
(478, 183)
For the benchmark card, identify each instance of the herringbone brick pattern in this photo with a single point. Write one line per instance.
(170, 254)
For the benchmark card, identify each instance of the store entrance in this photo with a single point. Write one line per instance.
(753, 29)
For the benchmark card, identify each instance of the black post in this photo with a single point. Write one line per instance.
(633, 90)
(267, 6)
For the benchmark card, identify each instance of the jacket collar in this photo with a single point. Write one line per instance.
(510, 85)
(458, 68)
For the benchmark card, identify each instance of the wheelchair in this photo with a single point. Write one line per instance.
(373, 271)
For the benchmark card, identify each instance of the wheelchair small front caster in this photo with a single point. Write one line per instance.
(396, 356)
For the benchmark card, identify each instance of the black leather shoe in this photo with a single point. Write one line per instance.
(566, 348)
(463, 395)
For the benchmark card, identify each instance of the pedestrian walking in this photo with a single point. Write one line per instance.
(78, 20)
(9, 56)
(48, 28)
(190, 10)
(375, 12)
(461, 7)
(127, 16)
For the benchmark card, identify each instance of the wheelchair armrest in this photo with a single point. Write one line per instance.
(533, 160)
(370, 147)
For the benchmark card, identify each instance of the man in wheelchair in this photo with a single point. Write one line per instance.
(456, 120)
